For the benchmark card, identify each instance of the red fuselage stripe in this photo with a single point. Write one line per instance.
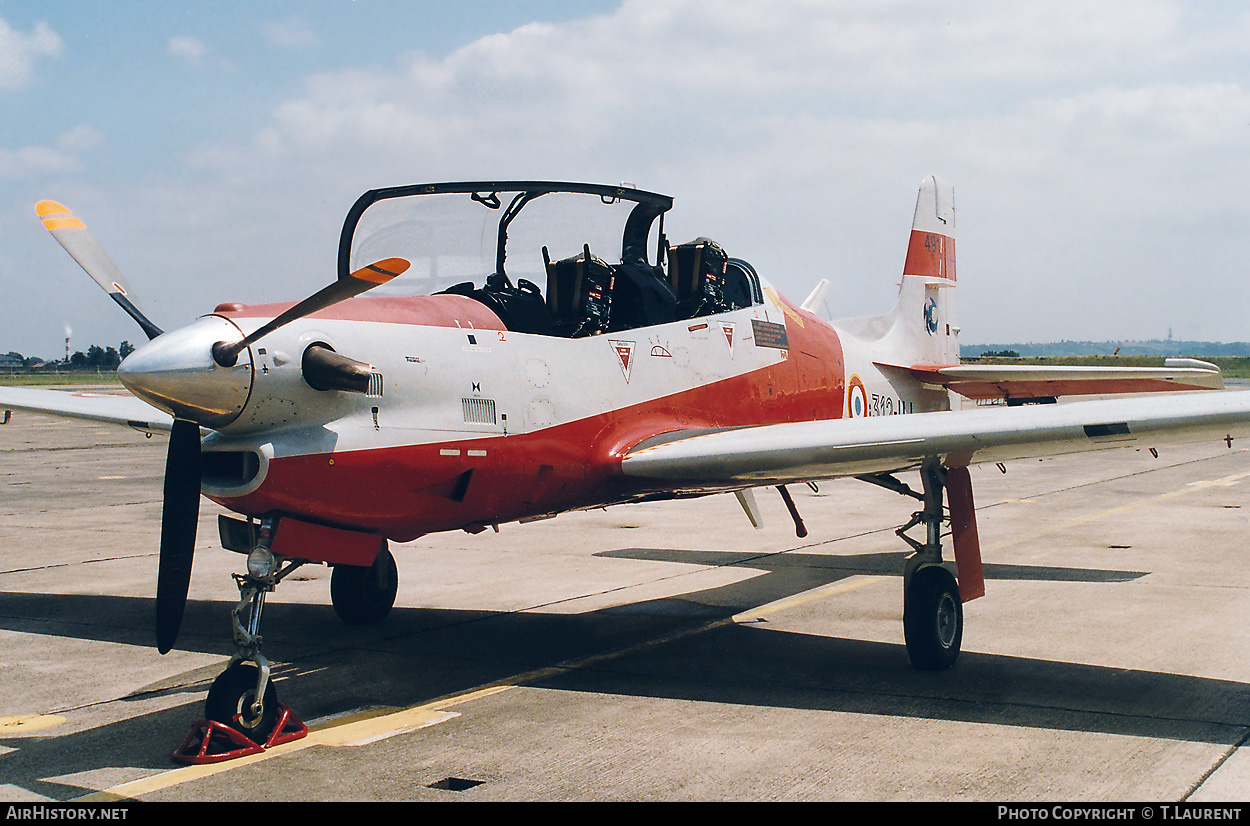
(411, 490)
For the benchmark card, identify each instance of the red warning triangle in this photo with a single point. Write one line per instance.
(727, 327)
(625, 355)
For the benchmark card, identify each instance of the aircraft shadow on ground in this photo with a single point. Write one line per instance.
(419, 654)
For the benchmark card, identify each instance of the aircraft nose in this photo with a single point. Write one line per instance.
(176, 373)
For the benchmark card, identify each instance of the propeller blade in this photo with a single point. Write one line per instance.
(82, 246)
(363, 279)
(179, 516)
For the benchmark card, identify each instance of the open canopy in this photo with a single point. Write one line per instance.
(466, 231)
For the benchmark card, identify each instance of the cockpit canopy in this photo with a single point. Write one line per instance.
(456, 232)
(599, 251)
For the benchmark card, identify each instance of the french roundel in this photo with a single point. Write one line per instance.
(856, 398)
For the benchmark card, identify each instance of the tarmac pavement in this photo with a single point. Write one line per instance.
(663, 651)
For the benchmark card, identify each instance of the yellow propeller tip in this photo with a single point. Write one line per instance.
(50, 208)
(379, 272)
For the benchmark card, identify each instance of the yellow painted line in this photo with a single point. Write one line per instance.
(808, 596)
(379, 724)
(373, 730)
(354, 730)
(21, 723)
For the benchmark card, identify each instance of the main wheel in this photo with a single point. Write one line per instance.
(231, 700)
(933, 619)
(364, 596)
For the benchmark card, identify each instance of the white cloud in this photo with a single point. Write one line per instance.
(291, 33)
(18, 52)
(65, 156)
(189, 49)
(1087, 141)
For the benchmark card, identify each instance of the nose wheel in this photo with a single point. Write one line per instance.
(233, 701)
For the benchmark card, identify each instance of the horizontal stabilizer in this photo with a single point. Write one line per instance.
(817, 295)
(1022, 381)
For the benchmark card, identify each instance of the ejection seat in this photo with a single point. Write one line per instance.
(696, 272)
(520, 307)
(579, 294)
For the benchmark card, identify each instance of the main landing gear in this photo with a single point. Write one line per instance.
(242, 714)
(364, 596)
(933, 618)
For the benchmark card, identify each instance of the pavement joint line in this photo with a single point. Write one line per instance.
(1190, 487)
(1029, 498)
(1119, 478)
(1228, 753)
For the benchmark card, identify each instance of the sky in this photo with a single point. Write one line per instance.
(1099, 151)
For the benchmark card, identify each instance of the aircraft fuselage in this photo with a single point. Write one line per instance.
(474, 425)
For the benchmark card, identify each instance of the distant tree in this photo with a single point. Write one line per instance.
(125, 349)
(1002, 354)
(79, 359)
(95, 355)
(111, 358)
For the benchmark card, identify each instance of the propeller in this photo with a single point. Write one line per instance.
(180, 514)
(160, 369)
(365, 278)
(82, 246)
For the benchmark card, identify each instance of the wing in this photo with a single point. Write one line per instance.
(1024, 381)
(783, 453)
(123, 410)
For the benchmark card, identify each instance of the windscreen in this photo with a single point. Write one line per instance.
(453, 237)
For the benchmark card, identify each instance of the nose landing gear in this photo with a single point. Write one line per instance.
(242, 714)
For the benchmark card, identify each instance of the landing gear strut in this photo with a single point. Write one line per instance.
(933, 617)
(242, 712)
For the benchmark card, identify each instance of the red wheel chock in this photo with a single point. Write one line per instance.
(214, 742)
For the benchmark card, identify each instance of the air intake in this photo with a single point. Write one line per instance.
(479, 411)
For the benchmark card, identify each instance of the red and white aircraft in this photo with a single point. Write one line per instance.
(459, 395)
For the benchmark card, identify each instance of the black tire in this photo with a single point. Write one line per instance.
(933, 619)
(364, 596)
(230, 702)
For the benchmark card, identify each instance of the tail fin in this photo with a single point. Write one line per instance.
(921, 329)
(925, 314)
(931, 248)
